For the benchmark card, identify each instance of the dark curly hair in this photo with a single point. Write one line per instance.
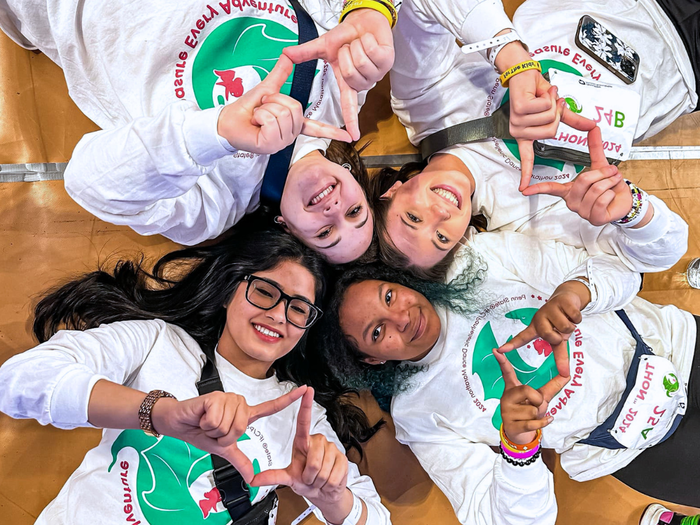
(346, 360)
(190, 288)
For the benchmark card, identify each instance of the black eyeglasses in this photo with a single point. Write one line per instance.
(266, 295)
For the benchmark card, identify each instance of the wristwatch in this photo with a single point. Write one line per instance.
(146, 409)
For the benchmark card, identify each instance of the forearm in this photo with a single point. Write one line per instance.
(511, 54)
(123, 170)
(336, 512)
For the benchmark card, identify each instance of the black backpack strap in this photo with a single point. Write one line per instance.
(231, 485)
(497, 125)
(277, 167)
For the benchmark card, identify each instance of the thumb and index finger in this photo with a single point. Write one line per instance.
(272, 83)
(301, 443)
(319, 49)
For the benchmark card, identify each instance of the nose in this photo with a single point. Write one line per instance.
(401, 319)
(278, 313)
(332, 206)
(440, 213)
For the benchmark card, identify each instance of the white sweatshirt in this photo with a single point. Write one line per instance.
(434, 86)
(131, 477)
(449, 415)
(154, 76)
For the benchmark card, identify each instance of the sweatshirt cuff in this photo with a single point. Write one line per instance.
(305, 145)
(522, 478)
(69, 404)
(656, 228)
(484, 21)
(203, 143)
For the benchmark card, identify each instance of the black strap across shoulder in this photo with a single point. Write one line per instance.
(232, 487)
(277, 167)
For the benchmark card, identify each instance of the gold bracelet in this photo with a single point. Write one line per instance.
(385, 8)
(519, 68)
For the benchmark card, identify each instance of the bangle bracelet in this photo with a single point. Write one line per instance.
(640, 206)
(521, 463)
(521, 448)
(518, 455)
(519, 68)
(383, 6)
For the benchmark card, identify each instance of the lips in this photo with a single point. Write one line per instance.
(420, 326)
(323, 195)
(449, 195)
(267, 334)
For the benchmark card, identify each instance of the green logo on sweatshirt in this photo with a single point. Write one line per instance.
(174, 481)
(237, 56)
(484, 363)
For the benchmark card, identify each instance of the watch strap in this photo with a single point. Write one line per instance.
(146, 410)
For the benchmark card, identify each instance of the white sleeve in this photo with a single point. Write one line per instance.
(151, 174)
(483, 489)
(652, 248)
(545, 264)
(53, 381)
(361, 486)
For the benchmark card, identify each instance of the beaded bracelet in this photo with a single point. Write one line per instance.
(519, 68)
(640, 205)
(518, 455)
(383, 6)
(521, 463)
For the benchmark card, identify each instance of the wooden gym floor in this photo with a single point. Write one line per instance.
(45, 238)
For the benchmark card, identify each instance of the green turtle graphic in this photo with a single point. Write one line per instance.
(671, 384)
(484, 363)
(235, 57)
(172, 480)
(573, 105)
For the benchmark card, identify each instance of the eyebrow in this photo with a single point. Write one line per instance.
(293, 296)
(363, 222)
(334, 243)
(369, 325)
(408, 224)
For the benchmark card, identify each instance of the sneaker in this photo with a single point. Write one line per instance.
(657, 514)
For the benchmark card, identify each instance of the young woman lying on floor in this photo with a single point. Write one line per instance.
(141, 352)
(633, 372)
(422, 210)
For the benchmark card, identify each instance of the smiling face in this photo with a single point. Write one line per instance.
(428, 215)
(325, 207)
(389, 322)
(254, 338)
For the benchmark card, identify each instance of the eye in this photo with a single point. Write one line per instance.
(442, 238)
(412, 217)
(354, 212)
(387, 297)
(325, 233)
(263, 292)
(376, 333)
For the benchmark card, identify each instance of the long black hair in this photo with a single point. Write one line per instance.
(190, 288)
(346, 360)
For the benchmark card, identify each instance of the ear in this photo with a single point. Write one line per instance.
(389, 194)
(280, 221)
(373, 361)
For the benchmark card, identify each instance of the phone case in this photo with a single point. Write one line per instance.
(607, 49)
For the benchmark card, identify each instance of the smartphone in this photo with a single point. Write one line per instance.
(607, 49)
